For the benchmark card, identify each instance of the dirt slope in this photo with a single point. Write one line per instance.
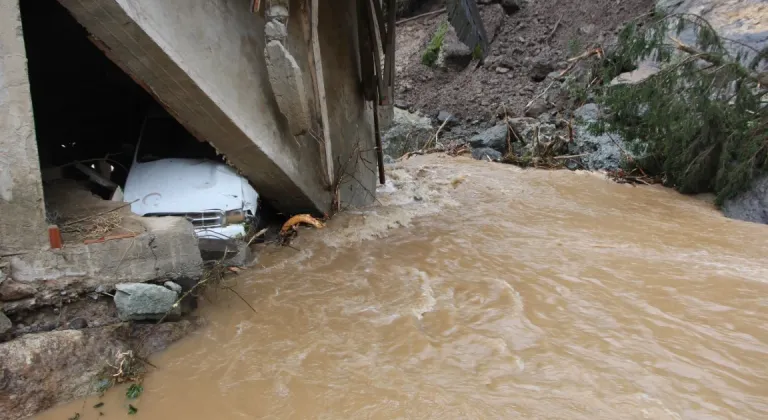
(523, 43)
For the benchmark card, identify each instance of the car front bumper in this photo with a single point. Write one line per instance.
(224, 233)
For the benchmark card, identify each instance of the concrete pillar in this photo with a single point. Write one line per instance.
(350, 117)
(22, 210)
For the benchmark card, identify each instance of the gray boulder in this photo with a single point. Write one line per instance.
(602, 152)
(5, 324)
(447, 118)
(174, 287)
(16, 290)
(750, 206)
(740, 20)
(510, 6)
(540, 69)
(538, 107)
(493, 138)
(485, 153)
(141, 301)
(408, 133)
(453, 54)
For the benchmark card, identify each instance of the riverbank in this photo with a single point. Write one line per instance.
(103, 306)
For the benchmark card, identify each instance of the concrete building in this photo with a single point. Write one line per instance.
(274, 87)
(277, 91)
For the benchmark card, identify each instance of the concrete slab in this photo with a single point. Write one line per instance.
(167, 250)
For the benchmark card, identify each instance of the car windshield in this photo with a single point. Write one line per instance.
(165, 138)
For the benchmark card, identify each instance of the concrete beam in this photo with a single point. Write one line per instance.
(204, 61)
(22, 211)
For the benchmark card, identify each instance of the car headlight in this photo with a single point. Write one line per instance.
(234, 217)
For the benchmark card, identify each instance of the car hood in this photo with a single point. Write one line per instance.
(183, 186)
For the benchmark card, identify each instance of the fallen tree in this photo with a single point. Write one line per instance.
(700, 122)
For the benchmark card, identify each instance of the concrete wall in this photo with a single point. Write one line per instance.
(167, 250)
(22, 211)
(204, 60)
(350, 117)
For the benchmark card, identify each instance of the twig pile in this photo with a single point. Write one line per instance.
(94, 227)
(633, 177)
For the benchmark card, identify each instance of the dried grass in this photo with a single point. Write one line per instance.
(95, 227)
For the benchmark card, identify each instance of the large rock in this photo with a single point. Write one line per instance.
(538, 107)
(445, 117)
(141, 301)
(39, 371)
(540, 69)
(15, 290)
(602, 152)
(453, 55)
(409, 132)
(492, 138)
(744, 21)
(486, 153)
(510, 6)
(5, 324)
(287, 83)
(752, 205)
(643, 71)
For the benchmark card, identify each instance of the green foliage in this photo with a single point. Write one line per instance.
(134, 391)
(702, 121)
(132, 410)
(477, 53)
(429, 58)
(577, 91)
(574, 47)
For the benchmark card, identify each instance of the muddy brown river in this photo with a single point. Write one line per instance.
(483, 291)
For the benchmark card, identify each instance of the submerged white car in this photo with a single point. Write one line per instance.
(173, 175)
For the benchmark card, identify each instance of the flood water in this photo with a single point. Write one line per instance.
(483, 291)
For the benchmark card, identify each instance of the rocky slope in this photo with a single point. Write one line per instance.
(529, 41)
(515, 97)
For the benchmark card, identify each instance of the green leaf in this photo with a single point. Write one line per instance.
(132, 410)
(134, 391)
(429, 58)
